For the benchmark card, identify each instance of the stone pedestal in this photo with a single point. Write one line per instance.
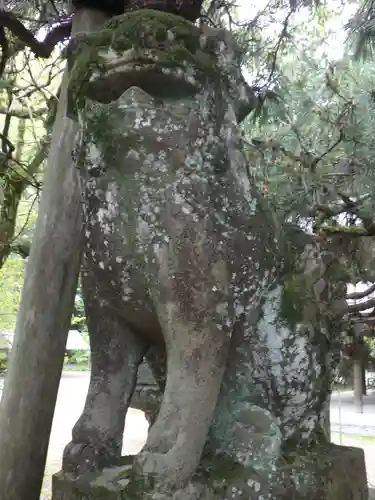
(329, 472)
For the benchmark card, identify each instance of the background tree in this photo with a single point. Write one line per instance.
(41, 336)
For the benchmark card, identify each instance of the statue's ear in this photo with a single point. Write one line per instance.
(228, 54)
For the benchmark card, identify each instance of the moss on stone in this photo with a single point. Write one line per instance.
(337, 229)
(220, 467)
(325, 472)
(293, 299)
(217, 473)
(138, 488)
(292, 448)
(159, 38)
(146, 26)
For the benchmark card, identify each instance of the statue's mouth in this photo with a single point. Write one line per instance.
(147, 71)
(162, 54)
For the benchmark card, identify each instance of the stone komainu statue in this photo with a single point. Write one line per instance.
(174, 250)
(183, 261)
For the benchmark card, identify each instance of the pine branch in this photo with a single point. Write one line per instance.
(362, 306)
(40, 49)
(361, 295)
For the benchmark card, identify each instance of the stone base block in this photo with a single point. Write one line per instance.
(329, 472)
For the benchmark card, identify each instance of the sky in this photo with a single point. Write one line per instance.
(247, 10)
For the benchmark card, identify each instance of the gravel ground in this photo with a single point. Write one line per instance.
(134, 437)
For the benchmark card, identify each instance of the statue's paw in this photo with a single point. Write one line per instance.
(79, 458)
(150, 463)
(162, 466)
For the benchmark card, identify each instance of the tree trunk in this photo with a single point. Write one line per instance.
(357, 382)
(364, 384)
(12, 194)
(327, 418)
(43, 321)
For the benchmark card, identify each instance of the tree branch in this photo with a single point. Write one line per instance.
(12, 193)
(21, 247)
(40, 49)
(353, 308)
(361, 295)
(23, 114)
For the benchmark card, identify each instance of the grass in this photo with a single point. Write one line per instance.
(354, 437)
(342, 387)
(79, 367)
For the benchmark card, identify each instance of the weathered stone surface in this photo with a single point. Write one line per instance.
(161, 53)
(184, 261)
(282, 361)
(178, 245)
(327, 473)
(287, 371)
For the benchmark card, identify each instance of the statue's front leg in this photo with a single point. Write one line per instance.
(197, 338)
(177, 438)
(116, 353)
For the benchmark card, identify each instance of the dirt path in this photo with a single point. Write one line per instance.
(134, 438)
(70, 401)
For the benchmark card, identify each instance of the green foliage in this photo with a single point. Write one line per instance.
(77, 357)
(361, 30)
(3, 361)
(11, 281)
(371, 344)
(293, 300)
(317, 142)
(79, 317)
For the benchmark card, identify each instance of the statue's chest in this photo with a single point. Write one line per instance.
(110, 250)
(109, 225)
